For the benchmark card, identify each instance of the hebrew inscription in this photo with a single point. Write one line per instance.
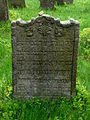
(44, 57)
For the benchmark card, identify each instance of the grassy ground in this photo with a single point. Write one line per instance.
(37, 109)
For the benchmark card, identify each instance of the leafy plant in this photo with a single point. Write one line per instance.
(85, 43)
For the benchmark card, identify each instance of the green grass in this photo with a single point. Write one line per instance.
(74, 109)
(84, 73)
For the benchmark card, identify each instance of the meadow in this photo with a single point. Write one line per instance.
(76, 108)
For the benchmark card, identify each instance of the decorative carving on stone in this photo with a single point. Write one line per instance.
(58, 32)
(44, 57)
(4, 15)
(29, 32)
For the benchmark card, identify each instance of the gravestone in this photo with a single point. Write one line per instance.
(62, 1)
(4, 15)
(44, 57)
(47, 4)
(17, 3)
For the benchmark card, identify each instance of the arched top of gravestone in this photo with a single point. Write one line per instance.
(43, 18)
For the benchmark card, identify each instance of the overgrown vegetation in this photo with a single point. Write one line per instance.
(85, 43)
(76, 108)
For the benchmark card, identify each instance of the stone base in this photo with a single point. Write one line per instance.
(17, 3)
(47, 4)
(4, 15)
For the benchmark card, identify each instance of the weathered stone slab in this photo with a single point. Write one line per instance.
(4, 15)
(47, 3)
(62, 1)
(17, 3)
(44, 57)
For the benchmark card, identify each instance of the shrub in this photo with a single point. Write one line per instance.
(85, 43)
